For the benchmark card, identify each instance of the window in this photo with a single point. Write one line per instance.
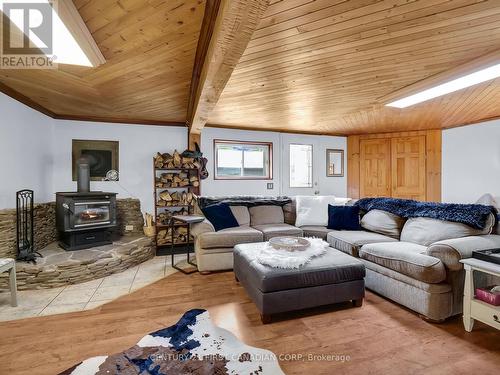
(243, 160)
(301, 166)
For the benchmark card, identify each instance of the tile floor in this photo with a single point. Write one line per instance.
(88, 295)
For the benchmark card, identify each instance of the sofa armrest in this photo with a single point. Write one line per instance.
(200, 228)
(450, 252)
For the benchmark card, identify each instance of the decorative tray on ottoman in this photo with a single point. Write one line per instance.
(490, 255)
(289, 243)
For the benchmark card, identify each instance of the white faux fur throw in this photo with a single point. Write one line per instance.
(269, 256)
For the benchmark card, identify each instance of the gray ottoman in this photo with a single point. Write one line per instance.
(331, 278)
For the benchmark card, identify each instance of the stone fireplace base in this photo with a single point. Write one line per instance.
(59, 267)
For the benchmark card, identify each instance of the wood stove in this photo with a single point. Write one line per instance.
(85, 219)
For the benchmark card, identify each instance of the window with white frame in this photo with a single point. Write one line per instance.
(301, 160)
(236, 160)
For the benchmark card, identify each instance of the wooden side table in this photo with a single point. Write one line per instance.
(8, 264)
(475, 309)
(186, 219)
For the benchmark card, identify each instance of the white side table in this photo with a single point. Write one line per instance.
(475, 309)
(8, 264)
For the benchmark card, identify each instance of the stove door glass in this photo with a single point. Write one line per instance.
(91, 214)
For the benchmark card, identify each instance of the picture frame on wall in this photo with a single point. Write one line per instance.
(103, 156)
(334, 163)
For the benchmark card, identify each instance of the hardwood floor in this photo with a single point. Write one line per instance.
(380, 337)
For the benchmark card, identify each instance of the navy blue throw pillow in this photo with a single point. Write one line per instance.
(220, 215)
(343, 217)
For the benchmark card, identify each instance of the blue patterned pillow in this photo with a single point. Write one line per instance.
(220, 215)
(343, 217)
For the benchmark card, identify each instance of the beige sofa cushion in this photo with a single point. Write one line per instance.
(453, 250)
(241, 214)
(350, 241)
(229, 237)
(275, 230)
(289, 211)
(317, 231)
(260, 215)
(199, 228)
(406, 258)
(425, 231)
(383, 222)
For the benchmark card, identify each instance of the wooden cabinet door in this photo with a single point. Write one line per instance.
(408, 167)
(375, 167)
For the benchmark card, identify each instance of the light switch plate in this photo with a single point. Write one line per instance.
(129, 228)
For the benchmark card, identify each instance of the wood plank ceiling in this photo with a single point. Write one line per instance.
(149, 45)
(321, 66)
(317, 66)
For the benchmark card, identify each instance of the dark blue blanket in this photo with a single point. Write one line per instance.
(248, 201)
(474, 215)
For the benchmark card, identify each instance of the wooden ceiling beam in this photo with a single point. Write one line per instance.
(227, 28)
(119, 120)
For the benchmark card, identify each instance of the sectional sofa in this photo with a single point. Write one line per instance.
(214, 250)
(413, 262)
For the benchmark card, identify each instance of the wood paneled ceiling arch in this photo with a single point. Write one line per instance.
(322, 66)
(150, 48)
(314, 66)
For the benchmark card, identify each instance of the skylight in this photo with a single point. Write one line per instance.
(65, 48)
(472, 79)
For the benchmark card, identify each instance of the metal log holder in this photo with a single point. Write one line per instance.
(25, 226)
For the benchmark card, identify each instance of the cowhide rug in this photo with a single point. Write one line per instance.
(192, 346)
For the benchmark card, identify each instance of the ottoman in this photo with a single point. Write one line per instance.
(331, 278)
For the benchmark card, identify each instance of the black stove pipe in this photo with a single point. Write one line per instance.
(83, 175)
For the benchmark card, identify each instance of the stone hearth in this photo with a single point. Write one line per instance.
(128, 212)
(59, 267)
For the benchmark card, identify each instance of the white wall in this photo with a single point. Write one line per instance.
(35, 152)
(242, 187)
(138, 145)
(328, 185)
(471, 162)
(25, 152)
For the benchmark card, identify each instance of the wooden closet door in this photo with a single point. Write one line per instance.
(408, 167)
(375, 168)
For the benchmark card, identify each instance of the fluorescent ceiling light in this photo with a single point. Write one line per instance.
(65, 48)
(448, 87)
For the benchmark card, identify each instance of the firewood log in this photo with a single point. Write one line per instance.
(166, 177)
(195, 183)
(165, 195)
(177, 159)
